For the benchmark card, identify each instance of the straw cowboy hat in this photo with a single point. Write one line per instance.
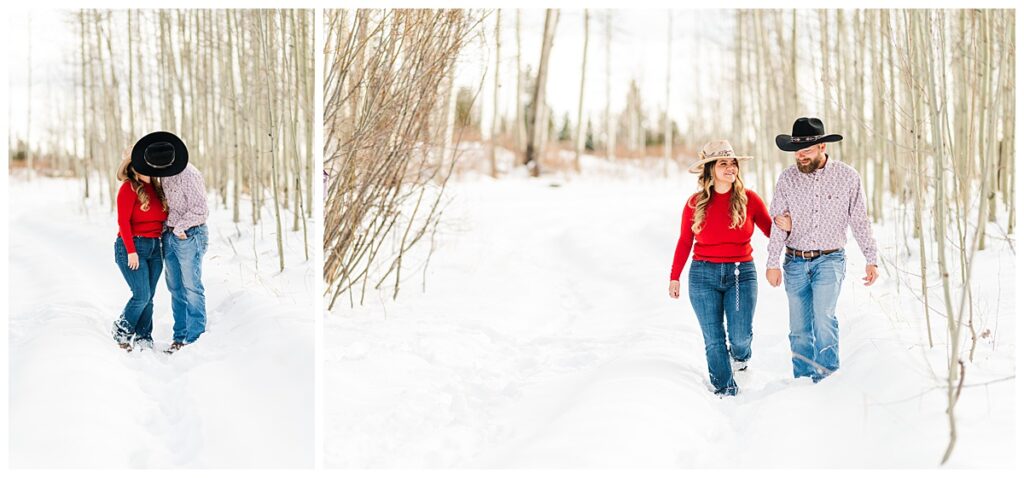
(713, 151)
(807, 132)
(159, 154)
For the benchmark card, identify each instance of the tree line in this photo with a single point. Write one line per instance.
(235, 85)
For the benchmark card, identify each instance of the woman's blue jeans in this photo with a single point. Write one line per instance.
(136, 319)
(723, 296)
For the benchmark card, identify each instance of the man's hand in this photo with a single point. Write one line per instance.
(180, 235)
(673, 289)
(872, 274)
(774, 277)
(784, 222)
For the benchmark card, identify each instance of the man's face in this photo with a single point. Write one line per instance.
(810, 158)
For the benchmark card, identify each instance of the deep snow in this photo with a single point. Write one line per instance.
(546, 338)
(241, 396)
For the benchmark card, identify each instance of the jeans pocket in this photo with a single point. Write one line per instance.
(120, 253)
(696, 275)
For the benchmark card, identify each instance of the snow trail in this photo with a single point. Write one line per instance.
(546, 338)
(241, 396)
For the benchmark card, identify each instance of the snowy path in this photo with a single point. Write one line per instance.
(241, 396)
(546, 338)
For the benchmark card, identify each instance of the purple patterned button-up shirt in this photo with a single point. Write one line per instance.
(822, 205)
(186, 199)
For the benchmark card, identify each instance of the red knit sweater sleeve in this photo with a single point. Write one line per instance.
(685, 242)
(759, 212)
(125, 205)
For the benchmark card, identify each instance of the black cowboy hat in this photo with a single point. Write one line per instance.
(807, 132)
(159, 154)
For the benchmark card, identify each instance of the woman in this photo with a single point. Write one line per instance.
(721, 217)
(141, 212)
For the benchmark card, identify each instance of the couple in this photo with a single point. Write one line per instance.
(815, 201)
(161, 219)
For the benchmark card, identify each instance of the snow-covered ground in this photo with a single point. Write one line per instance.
(546, 338)
(241, 396)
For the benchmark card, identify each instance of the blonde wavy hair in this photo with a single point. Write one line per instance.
(737, 203)
(125, 172)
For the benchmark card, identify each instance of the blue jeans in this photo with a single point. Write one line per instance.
(184, 260)
(731, 289)
(813, 287)
(136, 319)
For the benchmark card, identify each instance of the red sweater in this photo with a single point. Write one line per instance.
(132, 220)
(716, 241)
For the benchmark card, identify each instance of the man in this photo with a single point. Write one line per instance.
(185, 237)
(823, 197)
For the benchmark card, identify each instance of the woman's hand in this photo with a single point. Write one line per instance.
(133, 260)
(673, 289)
(784, 221)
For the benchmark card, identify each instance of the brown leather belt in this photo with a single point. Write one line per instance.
(808, 254)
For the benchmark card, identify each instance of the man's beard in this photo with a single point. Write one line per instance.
(811, 166)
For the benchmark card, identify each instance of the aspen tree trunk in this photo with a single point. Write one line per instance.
(920, 171)
(491, 153)
(28, 120)
(878, 113)
(762, 92)
(826, 76)
(264, 24)
(87, 138)
(1010, 117)
(609, 124)
(894, 187)
(738, 79)
(985, 169)
(236, 181)
(307, 80)
(533, 146)
(668, 97)
(580, 131)
(520, 129)
(794, 85)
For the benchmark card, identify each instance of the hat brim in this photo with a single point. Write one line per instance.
(698, 166)
(785, 142)
(180, 155)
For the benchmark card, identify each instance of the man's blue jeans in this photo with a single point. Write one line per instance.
(731, 289)
(136, 319)
(813, 287)
(184, 263)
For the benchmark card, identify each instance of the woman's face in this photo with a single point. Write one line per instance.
(726, 170)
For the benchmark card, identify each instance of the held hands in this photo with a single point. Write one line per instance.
(673, 289)
(133, 260)
(872, 274)
(784, 221)
(774, 277)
